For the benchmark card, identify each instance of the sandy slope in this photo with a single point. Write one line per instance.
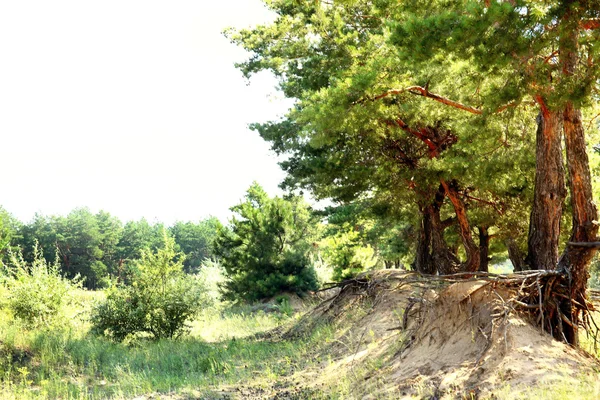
(440, 340)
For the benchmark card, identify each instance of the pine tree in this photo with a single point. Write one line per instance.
(353, 134)
(265, 251)
(546, 53)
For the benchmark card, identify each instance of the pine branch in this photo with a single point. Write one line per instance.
(421, 91)
(424, 92)
(490, 203)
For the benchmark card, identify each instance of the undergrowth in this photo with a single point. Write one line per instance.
(69, 363)
(231, 351)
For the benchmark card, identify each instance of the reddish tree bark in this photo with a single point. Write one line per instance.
(549, 191)
(584, 212)
(471, 249)
(575, 260)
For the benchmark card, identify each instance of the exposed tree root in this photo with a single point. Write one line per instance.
(460, 335)
(544, 296)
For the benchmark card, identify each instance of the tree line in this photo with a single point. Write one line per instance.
(270, 245)
(99, 246)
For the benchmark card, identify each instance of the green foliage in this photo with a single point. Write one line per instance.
(110, 230)
(36, 293)
(266, 251)
(86, 243)
(136, 236)
(195, 240)
(78, 240)
(98, 246)
(39, 232)
(363, 234)
(9, 227)
(346, 254)
(160, 301)
(357, 133)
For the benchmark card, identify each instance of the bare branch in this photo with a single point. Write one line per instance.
(585, 244)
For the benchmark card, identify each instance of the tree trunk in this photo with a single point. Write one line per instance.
(423, 262)
(443, 258)
(515, 255)
(576, 260)
(549, 192)
(433, 254)
(471, 249)
(484, 248)
(585, 229)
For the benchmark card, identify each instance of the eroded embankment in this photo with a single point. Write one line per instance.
(400, 335)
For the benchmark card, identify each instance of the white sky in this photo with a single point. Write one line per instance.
(129, 106)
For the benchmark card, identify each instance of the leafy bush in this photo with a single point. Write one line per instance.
(37, 293)
(159, 302)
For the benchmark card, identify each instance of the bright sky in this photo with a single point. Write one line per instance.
(131, 106)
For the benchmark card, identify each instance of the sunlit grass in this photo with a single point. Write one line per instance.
(213, 325)
(227, 349)
(65, 361)
(587, 388)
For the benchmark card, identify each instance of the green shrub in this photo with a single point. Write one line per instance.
(266, 249)
(159, 302)
(36, 293)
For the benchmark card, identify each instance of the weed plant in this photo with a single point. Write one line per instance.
(36, 293)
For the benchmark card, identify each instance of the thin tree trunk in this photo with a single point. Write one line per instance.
(423, 262)
(471, 249)
(484, 248)
(549, 192)
(515, 255)
(443, 258)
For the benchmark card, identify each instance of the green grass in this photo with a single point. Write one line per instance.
(587, 388)
(227, 351)
(65, 361)
(214, 325)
